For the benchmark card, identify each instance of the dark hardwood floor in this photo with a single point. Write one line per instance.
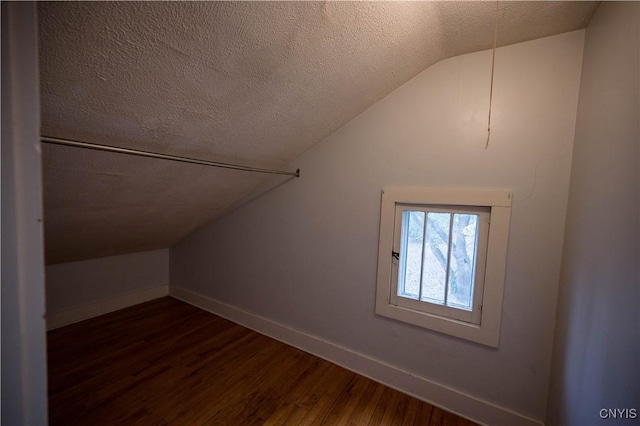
(166, 362)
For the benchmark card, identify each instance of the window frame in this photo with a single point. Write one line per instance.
(485, 328)
(472, 316)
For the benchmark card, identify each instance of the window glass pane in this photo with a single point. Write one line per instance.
(436, 250)
(411, 254)
(463, 259)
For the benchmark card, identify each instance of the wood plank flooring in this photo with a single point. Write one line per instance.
(167, 363)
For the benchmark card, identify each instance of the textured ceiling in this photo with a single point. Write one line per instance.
(250, 83)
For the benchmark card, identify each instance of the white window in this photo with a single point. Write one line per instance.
(442, 259)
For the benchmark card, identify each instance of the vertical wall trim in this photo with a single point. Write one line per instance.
(24, 376)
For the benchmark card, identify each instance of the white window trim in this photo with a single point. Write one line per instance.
(487, 332)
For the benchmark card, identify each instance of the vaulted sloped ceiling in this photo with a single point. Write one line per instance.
(250, 83)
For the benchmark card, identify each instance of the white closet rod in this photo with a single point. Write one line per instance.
(78, 144)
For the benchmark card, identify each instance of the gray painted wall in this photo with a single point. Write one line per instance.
(305, 253)
(24, 382)
(596, 360)
(76, 284)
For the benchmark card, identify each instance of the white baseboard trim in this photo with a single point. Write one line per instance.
(70, 316)
(467, 406)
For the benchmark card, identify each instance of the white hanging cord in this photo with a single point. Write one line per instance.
(493, 66)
